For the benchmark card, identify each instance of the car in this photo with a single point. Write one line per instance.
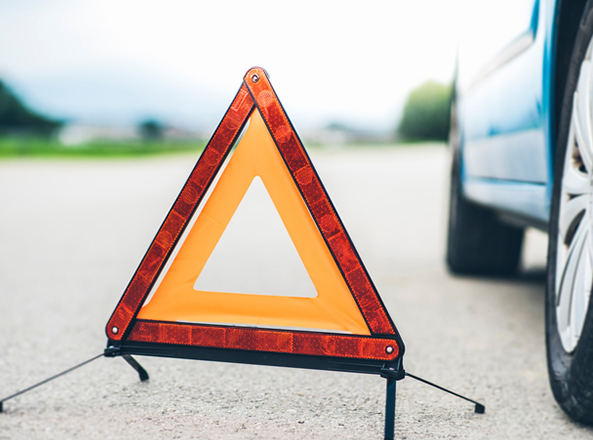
(522, 156)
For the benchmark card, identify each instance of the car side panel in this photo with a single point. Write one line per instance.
(504, 123)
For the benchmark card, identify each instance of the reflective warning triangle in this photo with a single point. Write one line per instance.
(164, 312)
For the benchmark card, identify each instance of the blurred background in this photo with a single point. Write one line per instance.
(125, 77)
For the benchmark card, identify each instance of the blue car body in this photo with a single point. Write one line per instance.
(507, 119)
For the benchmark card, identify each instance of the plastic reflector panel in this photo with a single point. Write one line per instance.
(239, 338)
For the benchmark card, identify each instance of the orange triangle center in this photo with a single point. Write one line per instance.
(174, 298)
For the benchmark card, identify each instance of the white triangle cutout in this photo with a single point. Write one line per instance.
(255, 255)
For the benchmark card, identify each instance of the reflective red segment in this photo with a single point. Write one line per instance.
(278, 341)
(194, 189)
(318, 202)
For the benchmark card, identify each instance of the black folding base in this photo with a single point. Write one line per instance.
(392, 371)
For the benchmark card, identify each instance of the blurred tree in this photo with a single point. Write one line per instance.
(151, 130)
(427, 113)
(17, 118)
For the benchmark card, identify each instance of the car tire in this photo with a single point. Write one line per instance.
(478, 243)
(569, 318)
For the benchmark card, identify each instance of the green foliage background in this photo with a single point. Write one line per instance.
(18, 146)
(17, 118)
(427, 113)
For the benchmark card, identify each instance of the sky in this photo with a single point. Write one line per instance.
(182, 61)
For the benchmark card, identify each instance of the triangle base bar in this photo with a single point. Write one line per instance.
(309, 362)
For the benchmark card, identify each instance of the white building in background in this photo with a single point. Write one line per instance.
(340, 134)
(77, 134)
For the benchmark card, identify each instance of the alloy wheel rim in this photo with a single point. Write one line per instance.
(574, 253)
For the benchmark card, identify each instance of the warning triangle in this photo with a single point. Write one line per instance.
(175, 301)
(256, 237)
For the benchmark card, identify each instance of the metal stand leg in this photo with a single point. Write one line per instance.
(479, 408)
(390, 408)
(136, 366)
(48, 380)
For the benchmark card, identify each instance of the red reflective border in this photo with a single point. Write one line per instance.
(261, 94)
(192, 193)
(318, 202)
(277, 341)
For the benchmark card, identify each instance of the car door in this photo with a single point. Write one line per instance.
(500, 85)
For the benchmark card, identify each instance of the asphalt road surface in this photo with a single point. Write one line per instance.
(72, 233)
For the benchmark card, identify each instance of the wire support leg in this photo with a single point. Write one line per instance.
(479, 408)
(48, 380)
(390, 408)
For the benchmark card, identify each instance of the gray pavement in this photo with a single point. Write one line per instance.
(72, 233)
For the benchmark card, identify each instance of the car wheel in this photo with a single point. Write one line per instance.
(569, 318)
(477, 242)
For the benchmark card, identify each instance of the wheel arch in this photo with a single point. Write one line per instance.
(568, 18)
